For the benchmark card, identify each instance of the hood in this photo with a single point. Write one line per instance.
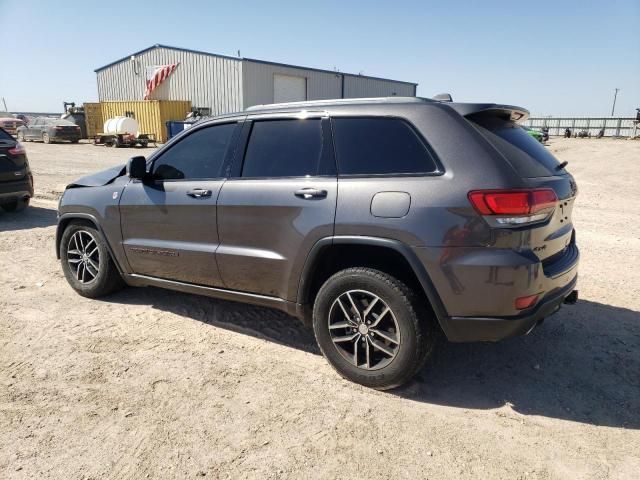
(100, 178)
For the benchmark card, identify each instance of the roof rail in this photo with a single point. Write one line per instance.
(339, 101)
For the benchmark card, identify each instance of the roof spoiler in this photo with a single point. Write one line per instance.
(508, 112)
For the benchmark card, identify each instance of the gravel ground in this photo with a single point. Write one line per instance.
(156, 384)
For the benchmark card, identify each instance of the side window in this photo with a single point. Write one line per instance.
(198, 155)
(378, 146)
(284, 148)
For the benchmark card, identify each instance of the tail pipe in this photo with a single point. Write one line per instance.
(572, 298)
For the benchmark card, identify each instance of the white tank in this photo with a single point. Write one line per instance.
(121, 125)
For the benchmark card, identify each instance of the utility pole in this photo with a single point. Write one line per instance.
(615, 95)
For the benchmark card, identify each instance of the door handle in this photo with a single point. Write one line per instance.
(309, 193)
(199, 193)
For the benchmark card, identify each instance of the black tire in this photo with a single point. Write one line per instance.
(107, 279)
(414, 327)
(75, 141)
(16, 206)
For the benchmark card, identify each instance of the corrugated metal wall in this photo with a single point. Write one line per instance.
(151, 115)
(358, 87)
(205, 80)
(258, 82)
(93, 118)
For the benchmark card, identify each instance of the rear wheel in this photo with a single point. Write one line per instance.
(17, 205)
(372, 328)
(46, 138)
(20, 136)
(86, 262)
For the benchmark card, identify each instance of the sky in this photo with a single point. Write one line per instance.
(552, 57)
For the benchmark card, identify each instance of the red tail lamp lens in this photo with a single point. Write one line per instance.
(512, 202)
(17, 150)
(527, 302)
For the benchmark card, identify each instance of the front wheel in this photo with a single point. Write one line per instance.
(372, 328)
(20, 136)
(46, 138)
(86, 262)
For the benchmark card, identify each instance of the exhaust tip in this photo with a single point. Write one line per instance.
(572, 298)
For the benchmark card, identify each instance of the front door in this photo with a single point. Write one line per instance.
(32, 128)
(279, 201)
(169, 221)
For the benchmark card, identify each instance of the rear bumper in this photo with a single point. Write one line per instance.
(487, 329)
(11, 191)
(478, 286)
(71, 137)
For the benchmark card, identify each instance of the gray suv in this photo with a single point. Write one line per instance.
(383, 223)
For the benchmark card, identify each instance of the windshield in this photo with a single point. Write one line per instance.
(527, 156)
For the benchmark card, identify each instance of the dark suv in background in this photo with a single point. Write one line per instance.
(16, 180)
(49, 130)
(381, 222)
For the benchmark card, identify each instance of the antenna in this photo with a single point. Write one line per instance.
(615, 95)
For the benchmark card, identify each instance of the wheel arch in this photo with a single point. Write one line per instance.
(65, 219)
(322, 250)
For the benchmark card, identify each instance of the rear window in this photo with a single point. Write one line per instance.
(379, 146)
(527, 156)
(4, 135)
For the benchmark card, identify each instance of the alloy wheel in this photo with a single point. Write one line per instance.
(364, 329)
(83, 256)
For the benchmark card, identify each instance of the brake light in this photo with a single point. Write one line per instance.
(514, 207)
(18, 150)
(526, 302)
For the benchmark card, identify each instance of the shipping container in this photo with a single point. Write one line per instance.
(152, 115)
(93, 118)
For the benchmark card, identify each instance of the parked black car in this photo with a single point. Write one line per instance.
(16, 180)
(50, 130)
(380, 222)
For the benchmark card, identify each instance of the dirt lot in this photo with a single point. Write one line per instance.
(154, 384)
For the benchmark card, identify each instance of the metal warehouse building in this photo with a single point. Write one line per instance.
(225, 84)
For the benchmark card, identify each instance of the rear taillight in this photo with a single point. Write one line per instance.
(529, 301)
(514, 207)
(17, 150)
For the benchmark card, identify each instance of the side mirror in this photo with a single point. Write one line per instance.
(137, 167)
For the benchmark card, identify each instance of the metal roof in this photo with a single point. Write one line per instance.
(158, 45)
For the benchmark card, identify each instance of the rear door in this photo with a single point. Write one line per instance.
(169, 222)
(279, 202)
